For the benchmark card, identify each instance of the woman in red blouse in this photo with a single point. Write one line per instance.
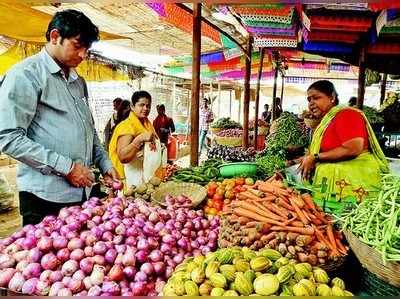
(344, 149)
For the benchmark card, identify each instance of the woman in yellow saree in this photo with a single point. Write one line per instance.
(129, 137)
(344, 149)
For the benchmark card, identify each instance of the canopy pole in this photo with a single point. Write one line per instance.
(219, 99)
(383, 88)
(260, 67)
(194, 110)
(274, 103)
(282, 87)
(361, 79)
(246, 101)
(230, 103)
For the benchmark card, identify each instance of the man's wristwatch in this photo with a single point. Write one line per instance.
(316, 158)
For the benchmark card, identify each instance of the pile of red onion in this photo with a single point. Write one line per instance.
(120, 248)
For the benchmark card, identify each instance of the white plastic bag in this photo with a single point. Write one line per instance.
(154, 156)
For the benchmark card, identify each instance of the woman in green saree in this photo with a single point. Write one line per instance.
(344, 149)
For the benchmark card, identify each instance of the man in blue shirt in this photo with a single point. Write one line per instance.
(46, 124)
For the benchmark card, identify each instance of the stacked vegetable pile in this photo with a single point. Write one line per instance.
(232, 154)
(226, 123)
(145, 190)
(201, 174)
(115, 249)
(241, 271)
(375, 221)
(270, 215)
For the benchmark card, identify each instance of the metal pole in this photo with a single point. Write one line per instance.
(361, 79)
(274, 103)
(230, 103)
(194, 110)
(282, 87)
(219, 100)
(246, 101)
(260, 67)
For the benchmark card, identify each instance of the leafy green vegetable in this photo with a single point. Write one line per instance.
(373, 116)
(226, 123)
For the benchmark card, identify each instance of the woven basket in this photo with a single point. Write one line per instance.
(195, 192)
(229, 141)
(374, 286)
(334, 266)
(372, 260)
(311, 122)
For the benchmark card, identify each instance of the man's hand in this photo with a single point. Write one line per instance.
(110, 176)
(80, 176)
(307, 166)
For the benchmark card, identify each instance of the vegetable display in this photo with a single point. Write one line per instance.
(145, 190)
(118, 248)
(375, 221)
(269, 162)
(373, 116)
(241, 271)
(226, 123)
(270, 215)
(232, 154)
(230, 133)
(201, 174)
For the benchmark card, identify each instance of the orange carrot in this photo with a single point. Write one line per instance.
(331, 238)
(270, 236)
(297, 223)
(271, 188)
(322, 239)
(308, 201)
(301, 230)
(342, 249)
(284, 203)
(255, 216)
(299, 212)
(259, 209)
(250, 195)
(273, 207)
(313, 218)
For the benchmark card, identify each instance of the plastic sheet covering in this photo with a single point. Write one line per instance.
(20, 21)
(89, 69)
(328, 47)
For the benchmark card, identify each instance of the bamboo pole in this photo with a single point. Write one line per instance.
(274, 103)
(260, 67)
(194, 110)
(246, 101)
(361, 79)
(230, 103)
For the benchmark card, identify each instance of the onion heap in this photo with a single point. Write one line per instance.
(118, 248)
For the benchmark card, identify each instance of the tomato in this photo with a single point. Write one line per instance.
(249, 181)
(212, 186)
(210, 193)
(217, 197)
(239, 181)
(212, 211)
(210, 202)
(237, 189)
(218, 205)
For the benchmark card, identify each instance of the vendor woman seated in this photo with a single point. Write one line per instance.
(344, 148)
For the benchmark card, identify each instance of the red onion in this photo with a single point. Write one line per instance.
(186, 232)
(178, 258)
(11, 249)
(100, 248)
(88, 251)
(21, 265)
(75, 243)
(56, 276)
(45, 275)
(131, 241)
(111, 288)
(110, 256)
(139, 223)
(117, 185)
(75, 286)
(120, 229)
(142, 244)
(79, 275)
(16, 282)
(129, 213)
(42, 288)
(120, 248)
(129, 272)
(159, 268)
(5, 276)
(107, 236)
(118, 240)
(63, 254)
(20, 255)
(49, 261)
(131, 231)
(141, 256)
(29, 286)
(128, 258)
(116, 273)
(87, 282)
(140, 276)
(32, 271)
(165, 248)
(201, 240)
(154, 217)
(99, 260)
(86, 265)
(109, 226)
(205, 250)
(60, 242)
(55, 287)
(139, 288)
(168, 272)
(94, 291)
(97, 275)
(147, 268)
(69, 268)
(29, 243)
(156, 256)
(77, 254)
